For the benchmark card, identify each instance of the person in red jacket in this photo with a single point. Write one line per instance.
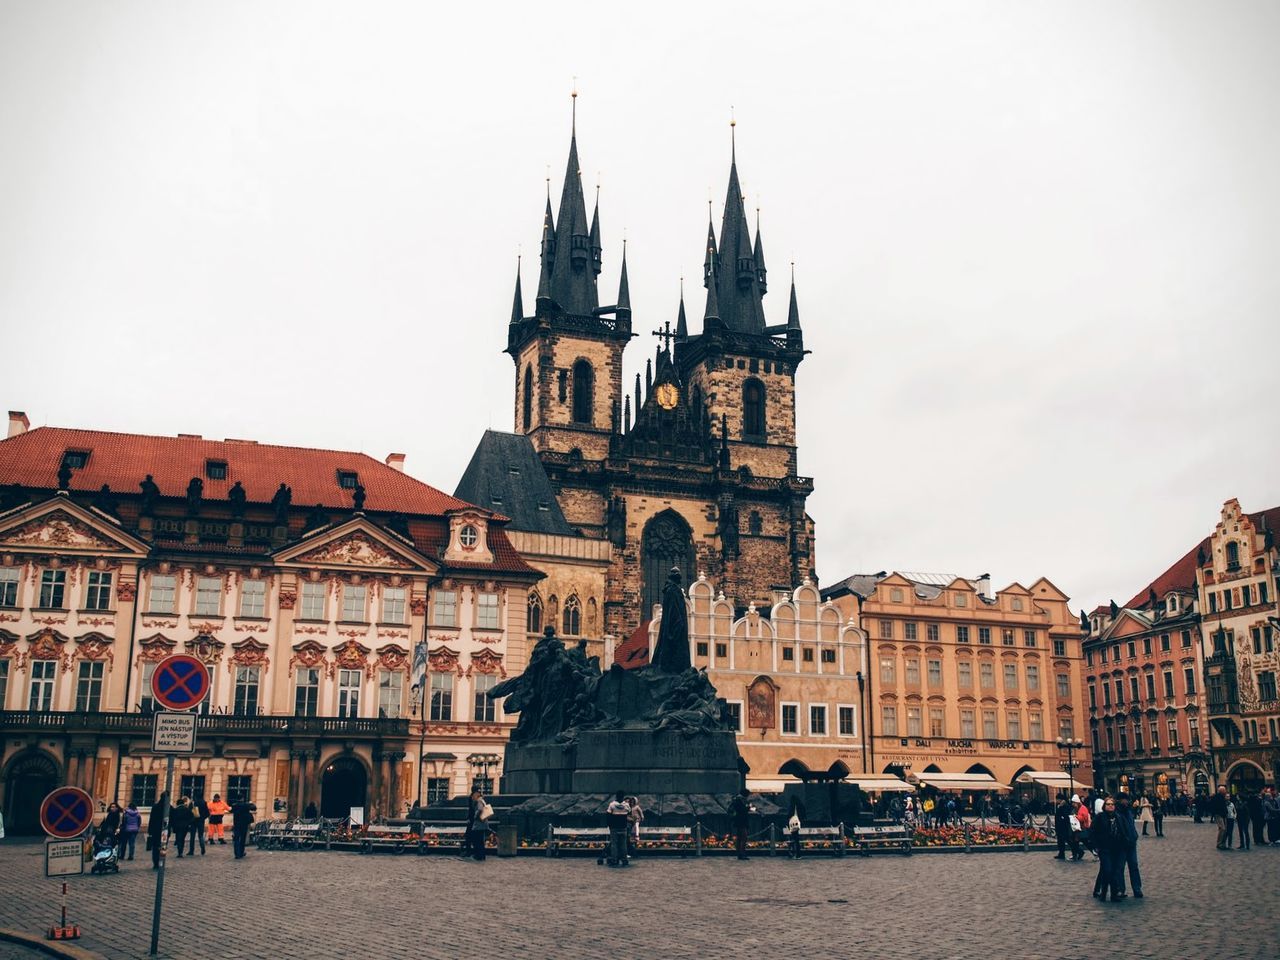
(218, 808)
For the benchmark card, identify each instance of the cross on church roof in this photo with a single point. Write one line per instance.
(665, 335)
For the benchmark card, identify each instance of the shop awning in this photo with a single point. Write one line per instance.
(881, 784)
(769, 784)
(958, 781)
(1056, 779)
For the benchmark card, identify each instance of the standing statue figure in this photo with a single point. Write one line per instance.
(671, 654)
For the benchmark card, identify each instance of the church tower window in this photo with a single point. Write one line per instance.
(572, 617)
(534, 619)
(528, 399)
(753, 409)
(583, 389)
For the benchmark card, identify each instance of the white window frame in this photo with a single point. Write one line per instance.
(146, 703)
(90, 680)
(247, 677)
(819, 709)
(394, 604)
(445, 687)
(204, 587)
(853, 713)
(162, 585)
(741, 717)
(795, 705)
(10, 575)
(390, 693)
(350, 683)
(919, 718)
(444, 613)
(994, 715)
(884, 723)
(488, 611)
(95, 584)
(53, 580)
(311, 592)
(355, 599)
(489, 706)
(973, 723)
(46, 685)
(1013, 724)
(254, 591)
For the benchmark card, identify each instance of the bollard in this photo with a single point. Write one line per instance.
(840, 839)
(697, 839)
(63, 931)
(1026, 837)
(966, 839)
(773, 839)
(551, 840)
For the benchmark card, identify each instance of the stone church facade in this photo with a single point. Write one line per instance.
(695, 467)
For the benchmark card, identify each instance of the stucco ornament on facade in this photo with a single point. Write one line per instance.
(94, 646)
(487, 661)
(249, 653)
(350, 656)
(444, 660)
(357, 549)
(58, 529)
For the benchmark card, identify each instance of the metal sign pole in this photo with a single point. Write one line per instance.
(155, 914)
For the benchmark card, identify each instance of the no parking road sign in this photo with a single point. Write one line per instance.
(180, 682)
(66, 813)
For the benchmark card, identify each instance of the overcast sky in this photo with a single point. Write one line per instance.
(1035, 244)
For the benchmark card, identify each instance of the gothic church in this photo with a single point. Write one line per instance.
(695, 469)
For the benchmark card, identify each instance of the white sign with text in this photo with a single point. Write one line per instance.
(174, 733)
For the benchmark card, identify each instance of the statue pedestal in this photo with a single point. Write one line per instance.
(656, 761)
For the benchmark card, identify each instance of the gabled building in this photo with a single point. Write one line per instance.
(966, 682)
(326, 592)
(1143, 684)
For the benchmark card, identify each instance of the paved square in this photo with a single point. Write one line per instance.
(1200, 903)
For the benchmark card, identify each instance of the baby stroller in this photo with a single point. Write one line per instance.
(104, 855)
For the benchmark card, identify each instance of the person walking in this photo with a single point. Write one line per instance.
(1066, 827)
(1145, 815)
(1157, 814)
(476, 828)
(110, 828)
(740, 810)
(155, 829)
(1256, 818)
(793, 829)
(130, 824)
(241, 819)
(199, 821)
(1271, 814)
(1109, 839)
(183, 822)
(634, 819)
(1085, 818)
(1124, 811)
(1217, 809)
(1241, 816)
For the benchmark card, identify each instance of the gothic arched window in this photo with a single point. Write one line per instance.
(527, 401)
(572, 617)
(753, 409)
(667, 542)
(533, 623)
(583, 390)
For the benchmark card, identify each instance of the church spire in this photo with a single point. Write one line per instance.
(624, 288)
(548, 251)
(682, 325)
(709, 264)
(793, 312)
(759, 258)
(596, 250)
(739, 283)
(711, 316)
(573, 277)
(517, 308)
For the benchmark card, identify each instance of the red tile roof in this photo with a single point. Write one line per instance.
(121, 460)
(633, 652)
(1180, 576)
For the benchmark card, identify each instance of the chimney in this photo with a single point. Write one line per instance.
(395, 461)
(984, 585)
(18, 423)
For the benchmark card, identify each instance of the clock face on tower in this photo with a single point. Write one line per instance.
(668, 396)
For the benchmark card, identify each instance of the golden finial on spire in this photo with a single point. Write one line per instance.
(733, 136)
(574, 96)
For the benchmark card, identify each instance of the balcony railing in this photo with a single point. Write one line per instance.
(217, 724)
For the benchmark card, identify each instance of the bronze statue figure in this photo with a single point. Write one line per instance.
(671, 654)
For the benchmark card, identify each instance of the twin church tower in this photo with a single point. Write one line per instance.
(697, 467)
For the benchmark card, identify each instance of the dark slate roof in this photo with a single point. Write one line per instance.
(506, 476)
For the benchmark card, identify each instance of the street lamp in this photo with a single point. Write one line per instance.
(419, 711)
(1071, 746)
(862, 716)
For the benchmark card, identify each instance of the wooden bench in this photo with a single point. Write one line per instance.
(384, 836)
(581, 838)
(882, 838)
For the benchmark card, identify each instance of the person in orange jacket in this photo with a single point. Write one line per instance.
(218, 808)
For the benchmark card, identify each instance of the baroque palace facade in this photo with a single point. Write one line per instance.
(318, 586)
(969, 690)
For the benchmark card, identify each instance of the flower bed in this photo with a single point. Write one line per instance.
(992, 836)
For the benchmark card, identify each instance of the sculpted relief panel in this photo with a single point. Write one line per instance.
(357, 549)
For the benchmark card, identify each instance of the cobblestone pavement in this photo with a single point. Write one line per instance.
(1200, 903)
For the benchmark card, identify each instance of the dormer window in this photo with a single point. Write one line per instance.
(215, 469)
(347, 479)
(75, 459)
(1172, 605)
(468, 536)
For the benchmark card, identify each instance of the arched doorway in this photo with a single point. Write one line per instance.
(667, 542)
(1245, 778)
(343, 785)
(29, 779)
